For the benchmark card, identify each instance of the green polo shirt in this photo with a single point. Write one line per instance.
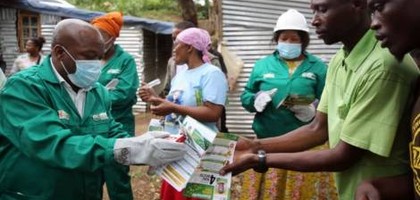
(365, 97)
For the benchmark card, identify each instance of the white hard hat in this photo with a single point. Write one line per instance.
(291, 20)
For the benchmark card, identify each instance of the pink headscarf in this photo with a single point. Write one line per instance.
(198, 38)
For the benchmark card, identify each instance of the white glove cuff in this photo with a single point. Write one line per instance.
(122, 156)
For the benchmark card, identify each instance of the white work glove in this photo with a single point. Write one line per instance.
(304, 113)
(149, 149)
(262, 98)
(112, 84)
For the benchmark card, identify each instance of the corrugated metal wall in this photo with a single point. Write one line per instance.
(247, 29)
(157, 51)
(8, 36)
(131, 40)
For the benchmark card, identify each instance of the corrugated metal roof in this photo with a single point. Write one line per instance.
(247, 30)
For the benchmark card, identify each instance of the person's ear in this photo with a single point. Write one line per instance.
(190, 49)
(58, 52)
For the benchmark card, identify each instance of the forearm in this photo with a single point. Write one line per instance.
(125, 90)
(200, 113)
(305, 162)
(339, 158)
(121, 97)
(247, 100)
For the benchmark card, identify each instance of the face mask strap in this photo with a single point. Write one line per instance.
(106, 43)
(109, 40)
(67, 52)
(64, 66)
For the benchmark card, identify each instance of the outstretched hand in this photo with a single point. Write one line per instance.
(240, 164)
(244, 157)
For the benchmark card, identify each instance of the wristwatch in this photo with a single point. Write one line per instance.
(262, 163)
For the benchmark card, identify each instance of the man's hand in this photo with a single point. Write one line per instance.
(150, 148)
(245, 151)
(245, 145)
(240, 164)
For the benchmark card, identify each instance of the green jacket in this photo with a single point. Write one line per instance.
(47, 151)
(303, 87)
(122, 66)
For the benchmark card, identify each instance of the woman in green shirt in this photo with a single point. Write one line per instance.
(281, 90)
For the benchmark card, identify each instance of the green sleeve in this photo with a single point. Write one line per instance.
(323, 102)
(116, 129)
(34, 128)
(128, 84)
(251, 88)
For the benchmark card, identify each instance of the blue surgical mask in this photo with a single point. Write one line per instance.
(87, 72)
(289, 50)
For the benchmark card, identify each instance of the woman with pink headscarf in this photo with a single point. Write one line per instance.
(199, 92)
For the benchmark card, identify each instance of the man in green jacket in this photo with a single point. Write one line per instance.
(119, 76)
(56, 128)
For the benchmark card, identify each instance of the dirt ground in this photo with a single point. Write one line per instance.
(147, 187)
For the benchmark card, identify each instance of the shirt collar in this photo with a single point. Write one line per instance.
(353, 60)
(57, 75)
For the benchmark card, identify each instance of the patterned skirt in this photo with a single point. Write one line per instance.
(278, 184)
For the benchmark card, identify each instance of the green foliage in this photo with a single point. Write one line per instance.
(203, 10)
(157, 9)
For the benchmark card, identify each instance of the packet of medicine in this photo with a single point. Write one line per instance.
(153, 83)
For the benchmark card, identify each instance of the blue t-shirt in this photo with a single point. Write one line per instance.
(193, 87)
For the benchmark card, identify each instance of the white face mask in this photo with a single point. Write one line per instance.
(110, 46)
(87, 72)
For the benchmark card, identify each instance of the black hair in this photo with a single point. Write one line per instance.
(304, 37)
(184, 25)
(38, 41)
